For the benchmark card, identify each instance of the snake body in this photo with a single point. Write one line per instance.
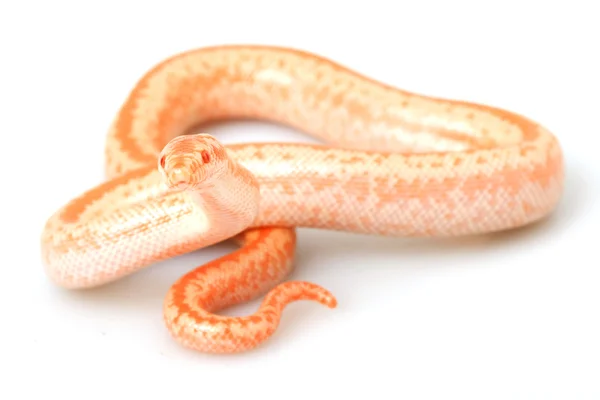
(392, 163)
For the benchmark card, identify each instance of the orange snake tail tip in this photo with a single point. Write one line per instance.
(288, 292)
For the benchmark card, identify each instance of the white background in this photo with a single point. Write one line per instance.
(513, 315)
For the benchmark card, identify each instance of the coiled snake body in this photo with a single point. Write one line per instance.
(392, 163)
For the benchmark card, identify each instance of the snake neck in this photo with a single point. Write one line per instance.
(229, 200)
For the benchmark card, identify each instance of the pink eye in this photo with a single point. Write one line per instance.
(205, 156)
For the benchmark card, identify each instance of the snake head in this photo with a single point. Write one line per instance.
(188, 161)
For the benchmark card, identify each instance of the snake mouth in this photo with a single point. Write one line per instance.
(178, 178)
(182, 172)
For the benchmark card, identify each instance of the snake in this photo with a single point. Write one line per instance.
(387, 162)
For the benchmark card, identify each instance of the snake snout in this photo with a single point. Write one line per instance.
(178, 177)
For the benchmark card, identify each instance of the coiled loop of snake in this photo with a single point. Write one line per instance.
(393, 163)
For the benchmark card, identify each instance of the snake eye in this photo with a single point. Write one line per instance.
(162, 162)
(205, 156)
